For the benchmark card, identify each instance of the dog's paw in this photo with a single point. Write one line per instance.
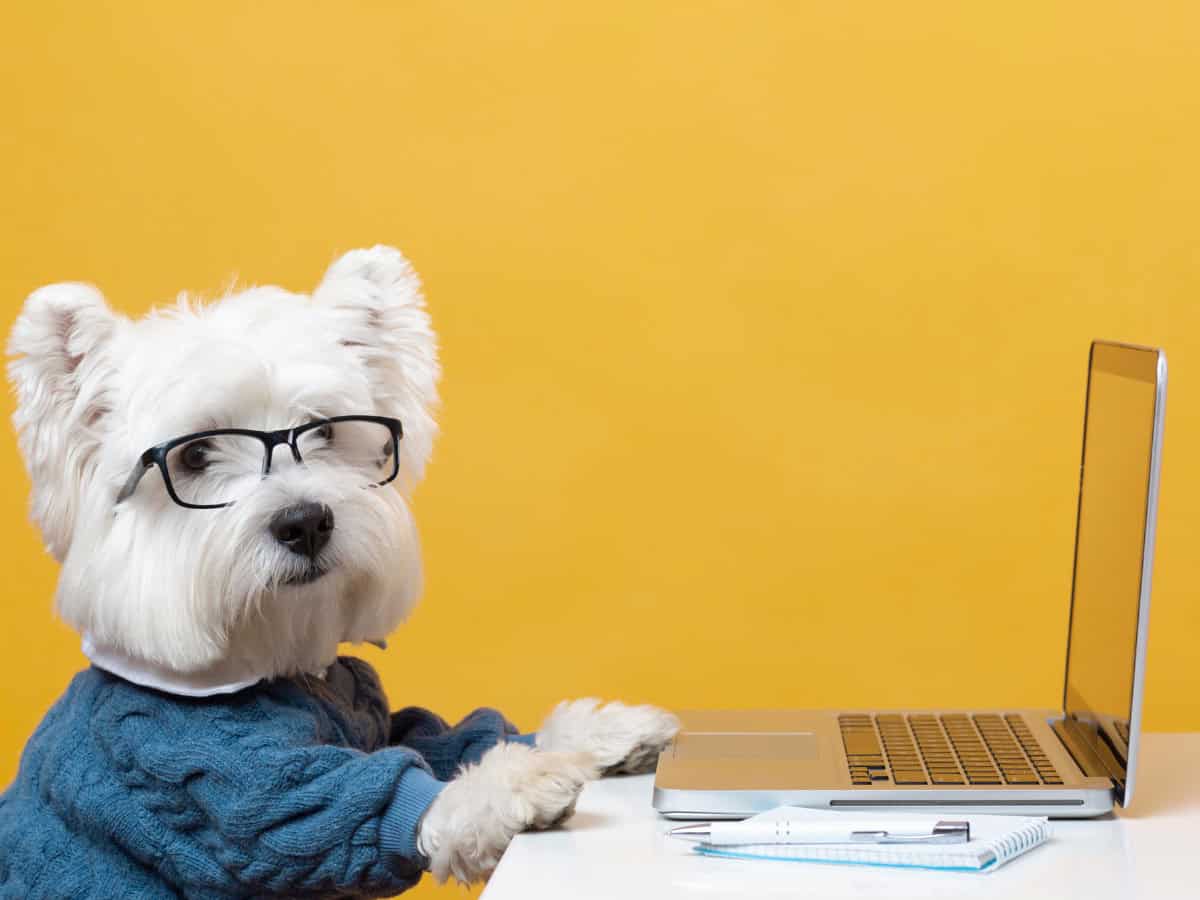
(620, 738)
(512, 789)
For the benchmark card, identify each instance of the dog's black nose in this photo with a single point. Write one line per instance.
(303, 528)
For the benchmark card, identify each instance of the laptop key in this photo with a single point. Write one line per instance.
(1022, 778)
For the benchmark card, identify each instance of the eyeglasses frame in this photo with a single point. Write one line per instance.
(157, 455)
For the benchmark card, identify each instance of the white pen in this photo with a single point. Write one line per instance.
(800, 831)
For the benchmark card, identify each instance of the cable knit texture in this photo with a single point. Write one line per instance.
(302, 787)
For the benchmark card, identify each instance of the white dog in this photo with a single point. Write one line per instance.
(303, 539)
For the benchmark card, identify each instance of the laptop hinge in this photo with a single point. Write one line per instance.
(1090, 761)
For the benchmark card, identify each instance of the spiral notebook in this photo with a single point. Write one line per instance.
(994, 841)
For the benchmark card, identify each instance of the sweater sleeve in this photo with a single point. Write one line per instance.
(231, 811)
(446, 748)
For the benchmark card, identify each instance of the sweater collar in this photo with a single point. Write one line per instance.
(222, 678)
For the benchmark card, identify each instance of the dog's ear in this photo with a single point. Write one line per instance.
(374, 297)
(62, 371)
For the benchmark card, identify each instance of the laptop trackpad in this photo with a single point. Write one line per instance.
(746, 745)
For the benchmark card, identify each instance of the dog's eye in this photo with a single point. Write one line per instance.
(195, 455)
(325, 432)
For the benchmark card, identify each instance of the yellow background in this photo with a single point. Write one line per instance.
(764, 324)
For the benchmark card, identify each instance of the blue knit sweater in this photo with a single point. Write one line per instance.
(300, 787)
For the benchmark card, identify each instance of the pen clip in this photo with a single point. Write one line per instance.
(943, 833)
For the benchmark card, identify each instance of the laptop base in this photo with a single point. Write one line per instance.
(731, 764)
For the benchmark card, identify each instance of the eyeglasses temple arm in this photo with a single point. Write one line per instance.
(131, 483)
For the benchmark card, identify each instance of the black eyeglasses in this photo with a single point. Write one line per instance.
(211, 469)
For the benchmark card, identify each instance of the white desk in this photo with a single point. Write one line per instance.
(614, 847)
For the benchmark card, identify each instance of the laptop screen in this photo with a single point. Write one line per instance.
(1114, 545)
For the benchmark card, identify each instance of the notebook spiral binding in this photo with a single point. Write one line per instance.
(1021, 840)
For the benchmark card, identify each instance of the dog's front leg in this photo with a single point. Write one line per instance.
(621, 738)
(511, 789)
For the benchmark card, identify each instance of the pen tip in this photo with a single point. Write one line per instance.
(697, 831)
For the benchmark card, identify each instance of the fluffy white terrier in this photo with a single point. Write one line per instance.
(192, 601)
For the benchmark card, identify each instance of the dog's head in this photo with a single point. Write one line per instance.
(308, 554)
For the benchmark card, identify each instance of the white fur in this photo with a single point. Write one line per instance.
(184, 588)
(620, 738)
(513, 788)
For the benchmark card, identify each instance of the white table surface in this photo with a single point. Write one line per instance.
(614, 847)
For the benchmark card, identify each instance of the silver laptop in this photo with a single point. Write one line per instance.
(1070, 762)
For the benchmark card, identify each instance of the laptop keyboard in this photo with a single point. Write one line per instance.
(947, 749)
